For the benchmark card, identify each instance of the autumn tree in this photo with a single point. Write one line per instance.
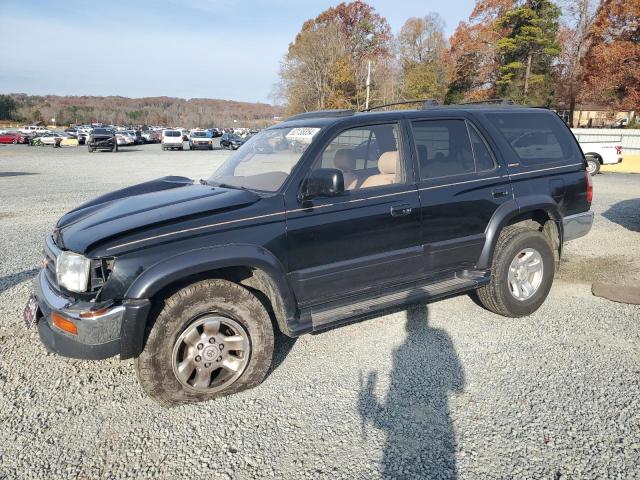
(528, 51)
(473, 54)
(574, 39)
(354, 33)
(422, 47)
(311, 72)
(612, 62)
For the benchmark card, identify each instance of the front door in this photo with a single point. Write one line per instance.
(366, 238)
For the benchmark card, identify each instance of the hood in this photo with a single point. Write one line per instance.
(158, 202)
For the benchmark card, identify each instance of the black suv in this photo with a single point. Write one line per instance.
(102, 139)
(326, 217)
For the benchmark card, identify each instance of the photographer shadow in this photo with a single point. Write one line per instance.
(420, 440)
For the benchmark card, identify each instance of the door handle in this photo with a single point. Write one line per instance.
(500, 192)
(400, 210)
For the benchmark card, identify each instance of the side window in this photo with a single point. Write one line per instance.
(368, 156)
(484, 158)
(536, 137)
(443, 148)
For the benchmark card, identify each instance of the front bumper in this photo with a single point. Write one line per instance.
(116, 330)
(576, 226)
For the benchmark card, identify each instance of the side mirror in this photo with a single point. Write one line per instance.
(323, 182)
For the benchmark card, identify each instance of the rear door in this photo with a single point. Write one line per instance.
(461, 185)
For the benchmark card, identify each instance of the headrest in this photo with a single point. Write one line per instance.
(345, 159)
(388, 162)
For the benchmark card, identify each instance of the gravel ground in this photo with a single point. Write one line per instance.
(437, 391)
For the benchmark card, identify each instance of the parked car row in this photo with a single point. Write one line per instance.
(110, 137)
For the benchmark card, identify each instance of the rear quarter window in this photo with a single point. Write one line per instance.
(537, 138)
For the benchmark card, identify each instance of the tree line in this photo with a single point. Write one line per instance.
(168, 111)
(535, 52)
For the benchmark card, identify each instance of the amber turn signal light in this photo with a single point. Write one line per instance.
(64, 323)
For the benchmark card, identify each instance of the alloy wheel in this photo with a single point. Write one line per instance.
(211, 354)
(525, 274)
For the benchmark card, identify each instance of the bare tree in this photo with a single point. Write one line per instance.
(579, 16)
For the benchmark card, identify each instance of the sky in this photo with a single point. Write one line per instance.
(179, 48)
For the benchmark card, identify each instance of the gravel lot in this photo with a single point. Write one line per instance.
(438, 391)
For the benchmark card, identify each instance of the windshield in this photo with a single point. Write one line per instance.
(265, 161)
(172, 133)
(199, 134)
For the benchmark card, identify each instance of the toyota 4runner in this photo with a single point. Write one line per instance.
(324, 218)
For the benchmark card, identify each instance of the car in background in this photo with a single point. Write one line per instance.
(215, 132)
(600, 153)
(48, 138)
(11, 137)
(102, 139)
(200, 139)
(151, 136)
(33, 129)
(172, 139)
(232, 141)
(124, 139)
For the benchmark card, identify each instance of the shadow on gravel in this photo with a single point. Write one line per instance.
(16, 174)
(282, 345)
(15, 278)
(625, 213)
(420, 442)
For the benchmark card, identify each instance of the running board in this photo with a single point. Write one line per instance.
(324, 315)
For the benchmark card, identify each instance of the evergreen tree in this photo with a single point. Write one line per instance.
(528, 50)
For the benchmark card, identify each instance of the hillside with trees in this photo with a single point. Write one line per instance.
(201, 112)
(536, 52)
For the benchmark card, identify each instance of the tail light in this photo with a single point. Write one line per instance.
(619, 149)
(589, 186)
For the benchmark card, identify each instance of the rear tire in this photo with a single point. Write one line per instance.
(182, 311)
(502, 295)
(593, 164)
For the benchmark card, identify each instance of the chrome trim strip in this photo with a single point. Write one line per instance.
(201, 227)
(545, 169)
(168, 234)
(459, 183)
(352, 201)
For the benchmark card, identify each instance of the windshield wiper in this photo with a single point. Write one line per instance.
(226, 185)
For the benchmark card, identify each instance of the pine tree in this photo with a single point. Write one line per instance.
(527, 52)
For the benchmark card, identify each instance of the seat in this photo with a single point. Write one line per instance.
(345, 160)
(388, 166)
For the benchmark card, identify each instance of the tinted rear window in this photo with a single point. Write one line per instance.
(536, 138)
(172, 133)
(443, 148)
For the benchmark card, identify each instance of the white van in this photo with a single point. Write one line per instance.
(33, 129)
(172, 139)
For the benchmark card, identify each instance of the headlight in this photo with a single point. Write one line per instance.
(72, 271)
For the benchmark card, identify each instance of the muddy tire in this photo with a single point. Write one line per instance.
(184, 336)
(522, 270)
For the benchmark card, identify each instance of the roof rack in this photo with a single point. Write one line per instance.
(322, 114)
(426, 103)
(492, 101)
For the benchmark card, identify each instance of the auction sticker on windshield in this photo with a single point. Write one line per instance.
(302, 134)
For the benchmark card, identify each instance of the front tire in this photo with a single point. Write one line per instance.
(182, 361)
(522, 273)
